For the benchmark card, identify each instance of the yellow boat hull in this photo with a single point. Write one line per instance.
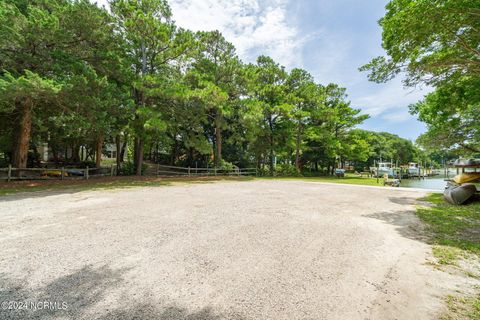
(54, 173)
(467, 177)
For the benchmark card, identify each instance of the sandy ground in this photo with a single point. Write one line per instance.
(227, 250)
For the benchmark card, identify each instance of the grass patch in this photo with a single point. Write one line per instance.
(103, 183)
(456, 234)
(462, 308)
(349, 179)
(447, 255)
(12, 187)
(452, 226)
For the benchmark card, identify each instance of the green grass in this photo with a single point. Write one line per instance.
(462, 308)
(452, 226)
(447, 255)
(79, 187)
(349, 179)
(104, 183)
(132, 181)
(456, 235)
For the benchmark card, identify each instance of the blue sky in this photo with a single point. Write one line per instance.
(329, 38)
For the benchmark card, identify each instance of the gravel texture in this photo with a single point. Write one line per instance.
(226, 250)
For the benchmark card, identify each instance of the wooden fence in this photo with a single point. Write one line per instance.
(63, 173)
(163, 170)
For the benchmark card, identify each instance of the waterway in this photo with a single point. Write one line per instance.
(434, 183)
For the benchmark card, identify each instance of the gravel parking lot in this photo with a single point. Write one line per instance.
(227, 250)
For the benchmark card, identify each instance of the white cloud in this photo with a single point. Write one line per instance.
(390, 100)
(254, 26)
(399, 116)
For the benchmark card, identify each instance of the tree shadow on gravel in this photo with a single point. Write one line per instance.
(172, 312)
(38, 194)
(83, 290)
(79, 290)
(406, 222)
(403, 200)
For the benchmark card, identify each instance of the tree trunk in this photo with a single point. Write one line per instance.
(218, 139)
(138, 151)
(124, 147)
(173, 153)
(297, 148)
(140, 96)
(270, 122)
(140, 158)
(75, 153)
(118, 146)
(272, 161)
(190, 156)
(22, 135)
(98, 150)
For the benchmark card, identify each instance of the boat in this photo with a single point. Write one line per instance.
(467, 177)
(382, 169)
(53, 173)
(467, 163)
(456, 194)
(413, 169)
(76, 172)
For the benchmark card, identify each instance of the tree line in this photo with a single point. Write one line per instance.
(79, 76)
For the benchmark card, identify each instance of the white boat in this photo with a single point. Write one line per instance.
(413, 169)
(382, 169)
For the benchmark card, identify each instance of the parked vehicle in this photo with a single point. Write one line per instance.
(340, 173)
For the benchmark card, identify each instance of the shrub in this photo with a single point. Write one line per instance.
(286, 170)
(128, 169)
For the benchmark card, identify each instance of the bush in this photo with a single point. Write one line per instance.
(128, 169)
(281, 170)
(286, 170)
(225, 165)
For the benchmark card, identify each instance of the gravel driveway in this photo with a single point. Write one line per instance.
(228, 250)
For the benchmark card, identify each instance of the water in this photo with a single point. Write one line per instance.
(434, 183)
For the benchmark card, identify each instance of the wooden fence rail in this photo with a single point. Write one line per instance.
(164, 170)
(62, 173)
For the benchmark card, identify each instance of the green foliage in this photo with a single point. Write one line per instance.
(28, 86)
(128, 168)
(452, 114)
(130, 76)
(430, 41)
(286, 170)
(437, 43)
(225, 165)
